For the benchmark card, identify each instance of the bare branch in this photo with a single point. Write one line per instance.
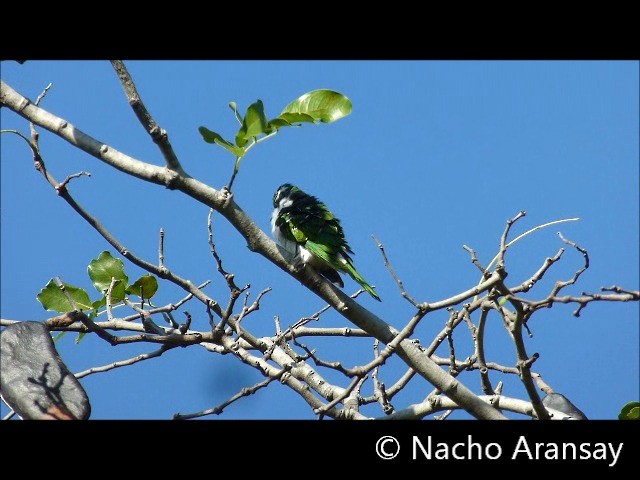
(474, 260)
(379, 390)
(108, 298)
(617, 289)
(257, 241)
(505, 234)
(324, 332)
(34, 133)
(393, 273)
(322, 363)
(582, 301)
(541, 383)
(401, 383)
(161, 249)
(157, 134)
(352, 402)
(63, 184)
(91, 326)
(452, 351)
(444, 416)
(160, 272)
(484, 372)
(524, 361)
(325, 408)
(440, 403)
(124, 363)
(528, 284)
(461, 297)
(301, 377)
(560, 285)
(245, 392)
(43, 94)
(147, 322)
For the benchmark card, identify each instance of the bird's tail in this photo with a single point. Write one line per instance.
(358, 278)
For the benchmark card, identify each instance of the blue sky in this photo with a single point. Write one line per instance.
(436, 154)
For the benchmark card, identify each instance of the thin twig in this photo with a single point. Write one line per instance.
(90, 324)
(560, 285)
(157, 134)
(63, 184)
(582, 301)
(246, 391)
(617, 289)
(443, 416)
(474, 260)
(347, 391)
(379, 390)
(108, 298)
(452, 351)
(161, 249)
(147, 322)
(401, 383)
(43, 94)
(160, 272)
(484, 372)
(387, 264)
(524, 361)
(440, 403)
(34, 133)
(322, 363)
(529, 283)
(542, 385)
(220, 408)
(324, 332)
(352, 402)
(530, 231)
(276, 319)
(503, 239)
(124, 363)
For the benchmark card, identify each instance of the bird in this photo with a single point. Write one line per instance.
(305, 227)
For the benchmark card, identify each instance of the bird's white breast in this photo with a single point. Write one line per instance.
(287, 244)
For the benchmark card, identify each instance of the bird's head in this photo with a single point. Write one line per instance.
(284, 191)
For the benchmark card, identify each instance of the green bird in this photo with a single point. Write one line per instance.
(304, 226)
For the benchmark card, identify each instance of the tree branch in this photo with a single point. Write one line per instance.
(524, 361)
(245, 392)
(157, 134)
(440, 403)
(258, 241)
(124, 363)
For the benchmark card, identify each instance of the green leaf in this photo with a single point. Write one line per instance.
(53, 298)
(631, 411)
(212, 137)
(146, 285)
(289, 120)
(99, 304)
(292, 118)
(59, 336)
(322, 105)
(279, 122)
(102, 270)
(255, 123)
(80, 337)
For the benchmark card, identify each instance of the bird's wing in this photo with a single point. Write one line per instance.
(324, 252)
(319, 225)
